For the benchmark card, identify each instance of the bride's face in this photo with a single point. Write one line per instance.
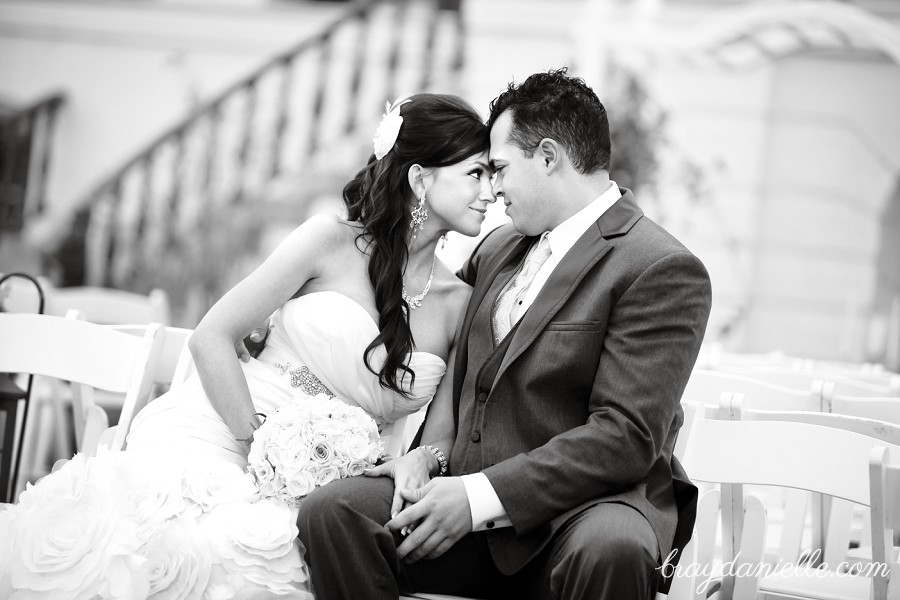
(459, 195)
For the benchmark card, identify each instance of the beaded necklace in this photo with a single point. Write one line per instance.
(415, 302)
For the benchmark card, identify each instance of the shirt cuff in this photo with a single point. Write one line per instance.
(487, 510)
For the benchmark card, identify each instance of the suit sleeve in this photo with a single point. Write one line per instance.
(468, 272)
(652, 340)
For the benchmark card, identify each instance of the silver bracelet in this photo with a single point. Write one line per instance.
(439, 455)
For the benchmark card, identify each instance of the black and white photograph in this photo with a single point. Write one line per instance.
(450, 299)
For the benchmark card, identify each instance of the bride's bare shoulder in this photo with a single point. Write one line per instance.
(328, 231)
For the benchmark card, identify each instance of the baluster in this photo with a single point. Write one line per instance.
(97, 242)
(209, 167)
(13, 211)
(427, 65)
(316, 126)
(244, 149)
(172, 208)
(49, 120)
(394, 54)
(34, 180)
(114, 232)
(359, 62)
(281, 121)
(145, 203)
(459, 56)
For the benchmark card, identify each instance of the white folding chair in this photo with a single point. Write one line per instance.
(886, 408)
(175, 362)
(814, 458)
(835, 522)
(88, 355)
(884, 486)
(707, 387)
(110, 306)
(803, 379)
(174, 366)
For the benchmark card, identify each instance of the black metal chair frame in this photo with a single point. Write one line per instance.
(9, 405)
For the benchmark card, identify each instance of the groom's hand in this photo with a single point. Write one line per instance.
(441, 515)
(253, 344)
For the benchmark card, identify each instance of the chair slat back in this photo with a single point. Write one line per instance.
(174, 364)
(793, 455)
(882, 409)
(110, 306)
(708, 386)
(884, 481)
(804, 379)
(882, 430)
(76, 351)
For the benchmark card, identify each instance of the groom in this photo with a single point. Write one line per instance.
(584, 323)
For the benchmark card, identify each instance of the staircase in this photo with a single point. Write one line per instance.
(25, 134)
(188, 212)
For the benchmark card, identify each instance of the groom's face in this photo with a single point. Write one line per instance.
(518, 180)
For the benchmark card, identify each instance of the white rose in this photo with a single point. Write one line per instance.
(356, 468)
(321, 407)
(7, 533)
(72, 546)
(358, 446)
(322, 452)
(299, 483)
(331, 428)
(327, 474)
(257, 543)
(178, 561)
(220, 484)
(67, 482)
(149, 490)
(262, 473)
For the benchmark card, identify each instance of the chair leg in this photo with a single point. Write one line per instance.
(9, 408)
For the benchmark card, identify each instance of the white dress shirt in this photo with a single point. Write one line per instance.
(486, 508)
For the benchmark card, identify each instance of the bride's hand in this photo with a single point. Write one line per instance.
(410, 471)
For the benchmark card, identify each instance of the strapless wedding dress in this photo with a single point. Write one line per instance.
(193, 526)
(316, 344)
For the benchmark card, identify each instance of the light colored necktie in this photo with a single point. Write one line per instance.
(505, 310)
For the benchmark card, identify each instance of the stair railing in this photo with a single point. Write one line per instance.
(185, 194)
(25, 142)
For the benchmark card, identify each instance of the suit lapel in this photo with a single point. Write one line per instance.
(569, 273)
(507, 253)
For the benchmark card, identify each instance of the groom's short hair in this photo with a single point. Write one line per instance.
(563, 108)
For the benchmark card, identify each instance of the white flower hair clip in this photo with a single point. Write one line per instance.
(389, 128)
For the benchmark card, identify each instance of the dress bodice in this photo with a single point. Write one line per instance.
(328, 332)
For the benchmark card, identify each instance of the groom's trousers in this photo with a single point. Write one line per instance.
(608, 551)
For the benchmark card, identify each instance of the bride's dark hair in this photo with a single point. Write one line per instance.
(438, 130)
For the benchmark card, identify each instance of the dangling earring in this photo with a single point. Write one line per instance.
(419, 216)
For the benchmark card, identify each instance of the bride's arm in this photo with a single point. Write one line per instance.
(440, 426)
(440, 430)
(415, 468)
(299, 258)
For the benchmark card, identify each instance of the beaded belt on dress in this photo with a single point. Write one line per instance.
(302, 378)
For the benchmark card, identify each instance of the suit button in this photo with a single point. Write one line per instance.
(482, 397)
(489, 524)
(476, 436)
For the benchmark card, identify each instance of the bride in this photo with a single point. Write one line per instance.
(364, 312)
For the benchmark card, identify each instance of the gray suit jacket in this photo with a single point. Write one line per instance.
(580, 403)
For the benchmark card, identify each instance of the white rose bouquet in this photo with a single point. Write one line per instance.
(304, 445)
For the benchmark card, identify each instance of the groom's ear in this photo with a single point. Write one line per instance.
(550, 153)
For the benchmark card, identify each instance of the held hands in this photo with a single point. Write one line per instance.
(441, 515)
(411, 471)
